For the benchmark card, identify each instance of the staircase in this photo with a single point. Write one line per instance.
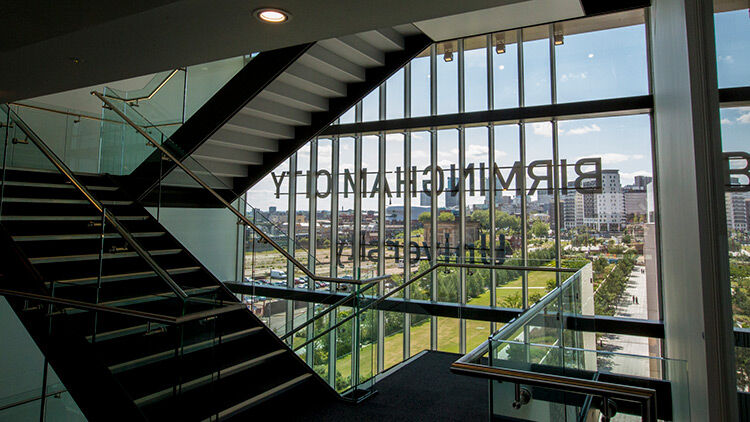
(278, 102)
(118, 367)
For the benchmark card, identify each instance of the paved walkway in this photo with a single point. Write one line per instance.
(631, 345)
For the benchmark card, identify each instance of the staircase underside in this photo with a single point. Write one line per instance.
(277, 103)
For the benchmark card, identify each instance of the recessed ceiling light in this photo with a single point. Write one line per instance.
(272, 15)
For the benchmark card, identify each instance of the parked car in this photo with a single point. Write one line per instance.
(278, 274)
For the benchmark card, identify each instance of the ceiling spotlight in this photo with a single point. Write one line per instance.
(448, 56)
(500, 43)
(271, 15)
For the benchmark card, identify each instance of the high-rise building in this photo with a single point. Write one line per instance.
(451, 192)
(736, 211)
(425, 199)
(642, 181)
(635, 199)
(572, 208)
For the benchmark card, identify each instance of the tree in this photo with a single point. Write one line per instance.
(539, 229)
(482, 217)
(504, 221)
(627, 239)
(446, 217)
(513, 301)
(425, 217)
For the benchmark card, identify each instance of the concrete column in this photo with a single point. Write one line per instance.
(694, 276)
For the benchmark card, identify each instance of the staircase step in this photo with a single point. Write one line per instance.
(239, 407)
(294, 97)
(57, 186)
(207, 379)
(266, 109)
(328, 62)
(128, 331)
(54, 177)
(260, 127)
(312, 81)
(123, 277)
(58, 237)
(146, 360)
(356, 50)
(69, 217)
(62, 201)
(142, 299)
(89, 257)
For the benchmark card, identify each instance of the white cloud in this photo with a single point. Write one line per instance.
(726, 59)
(477, 152)
(568, 76)
(726, 121)
(745, 118)
(616, 157)
(591, 55)
(501, 67)
(542, 129)
(584, 130)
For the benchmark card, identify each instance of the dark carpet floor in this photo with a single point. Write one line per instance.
(422, 390)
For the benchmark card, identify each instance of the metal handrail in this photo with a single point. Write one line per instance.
(151, 95)
(645, 396)
(148, 316)
(57, 162)
(418, 277)
(86, 116)
(227, 205)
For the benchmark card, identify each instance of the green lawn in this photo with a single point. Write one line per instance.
(448, 331)
(537, 283)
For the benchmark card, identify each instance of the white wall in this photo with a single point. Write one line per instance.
(21, 375)
(211, 234)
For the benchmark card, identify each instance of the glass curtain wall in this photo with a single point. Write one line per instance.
(550, 192)
(732, 31)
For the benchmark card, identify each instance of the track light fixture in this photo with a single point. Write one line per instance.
(558, 35)
(448, 55)
(499, 43)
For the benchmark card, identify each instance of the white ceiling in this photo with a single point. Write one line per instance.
(521, 14)
(114, 42)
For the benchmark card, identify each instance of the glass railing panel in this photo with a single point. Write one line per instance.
(20, 152)
(204, 80)
(162, 99)
(367, 336)
(72, 135)
(419, 339)
(344, 339)
(393, 338)
(123, 149)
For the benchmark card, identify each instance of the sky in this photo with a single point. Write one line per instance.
(589, 66)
